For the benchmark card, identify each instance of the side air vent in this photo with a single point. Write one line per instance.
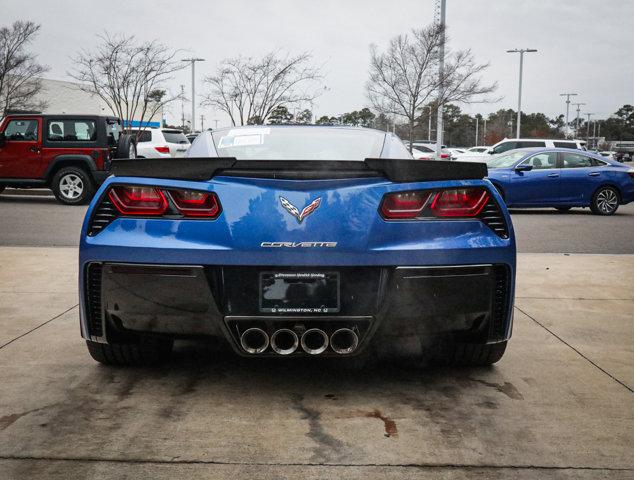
(93, 299)
(103, 215)
(491, 215)
(500, 303)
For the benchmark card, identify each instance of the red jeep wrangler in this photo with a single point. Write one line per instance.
(70, 154)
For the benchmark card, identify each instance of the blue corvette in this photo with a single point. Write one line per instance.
(297, 241)
(561, 178)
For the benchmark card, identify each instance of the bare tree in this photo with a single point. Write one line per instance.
(249, 89)
(128, 76)
(404, 78)
(20, 73)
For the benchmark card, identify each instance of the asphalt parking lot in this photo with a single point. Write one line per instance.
(558, 405)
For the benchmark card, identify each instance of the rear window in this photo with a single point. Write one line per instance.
(172, 136)
(299, 143)
(572, 145)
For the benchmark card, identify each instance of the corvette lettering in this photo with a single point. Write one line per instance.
(298, 244)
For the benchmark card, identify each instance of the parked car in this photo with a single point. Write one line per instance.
(607, 154)
(70, 154)
(428, 152)
(456, 152)
(514, 143)
(301, 241)
(476, 150)
(191, 137)
(161, 143)
(561, 178)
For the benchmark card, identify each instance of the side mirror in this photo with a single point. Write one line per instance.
(523, 168)
(3, 139)
(490, 152)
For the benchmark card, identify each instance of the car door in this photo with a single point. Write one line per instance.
(580, 177)
(538, 186)
(21, 155)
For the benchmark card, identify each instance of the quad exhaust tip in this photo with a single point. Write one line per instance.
(344, 341)
(254, 340)
(314, 341)
(284, 341)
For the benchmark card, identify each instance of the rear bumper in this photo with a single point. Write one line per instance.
(383, 303)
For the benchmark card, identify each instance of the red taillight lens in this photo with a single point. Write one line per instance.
(459, 202)
(444, 155)
(138, 200)
(192, 203)
(165, 149)
(403, 205)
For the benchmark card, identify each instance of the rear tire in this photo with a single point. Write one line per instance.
(72, 186)
(605, 201)
(470, 354)
(146, 352)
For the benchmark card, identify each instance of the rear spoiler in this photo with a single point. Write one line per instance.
(202, 169)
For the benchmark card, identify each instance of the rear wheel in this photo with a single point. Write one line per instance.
(469, 354)
(72, 186)
(149, 351)
(605, 201)
(126, 147)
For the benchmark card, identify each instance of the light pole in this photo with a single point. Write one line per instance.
(429, 125)
(441, 76)
(588, 127)
(521, 51)
(578, 105)
(476, 138)
(567, 95)
(183, 106)
(193, 63)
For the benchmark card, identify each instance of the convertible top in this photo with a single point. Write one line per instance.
(202, 169)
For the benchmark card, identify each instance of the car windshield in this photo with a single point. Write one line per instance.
(299, 143)
(506, 160)
(172, 136)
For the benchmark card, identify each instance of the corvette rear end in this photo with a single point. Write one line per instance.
(297, 258)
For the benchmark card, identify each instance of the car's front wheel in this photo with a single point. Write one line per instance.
(605, 201)
(72, 186)
(149, 351)
(469, 354)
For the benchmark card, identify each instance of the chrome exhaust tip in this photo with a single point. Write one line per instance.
(344, 341)
(314, 341)
(254, 340)
(284, 341)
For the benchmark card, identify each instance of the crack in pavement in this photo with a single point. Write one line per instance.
(422, 465)
(38, 326)
(578, 352)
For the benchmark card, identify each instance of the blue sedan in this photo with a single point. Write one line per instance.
(561, 178)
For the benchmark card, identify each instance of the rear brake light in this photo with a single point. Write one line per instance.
(403, 205)
(138, 200)
(196, 204)
(444, 155)
(459, 202)
(165, 149)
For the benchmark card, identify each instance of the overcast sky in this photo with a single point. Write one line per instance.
(585, 46)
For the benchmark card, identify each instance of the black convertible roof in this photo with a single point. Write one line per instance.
(201, 169)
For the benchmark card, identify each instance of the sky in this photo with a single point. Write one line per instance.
(584, 46)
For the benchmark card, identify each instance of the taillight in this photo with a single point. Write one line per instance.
(192, 203)
(164, 149)
(444, 155)
(459, 202)
(138, 200)
(403, 205)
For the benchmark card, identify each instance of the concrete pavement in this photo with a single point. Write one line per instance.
(559, 405)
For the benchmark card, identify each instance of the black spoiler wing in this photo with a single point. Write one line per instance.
(202, 169)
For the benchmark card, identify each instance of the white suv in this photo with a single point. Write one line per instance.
(513, 143)
(161, 143)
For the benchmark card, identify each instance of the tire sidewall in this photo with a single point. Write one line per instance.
(594, 207)
(88, 188)
(125, 145)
